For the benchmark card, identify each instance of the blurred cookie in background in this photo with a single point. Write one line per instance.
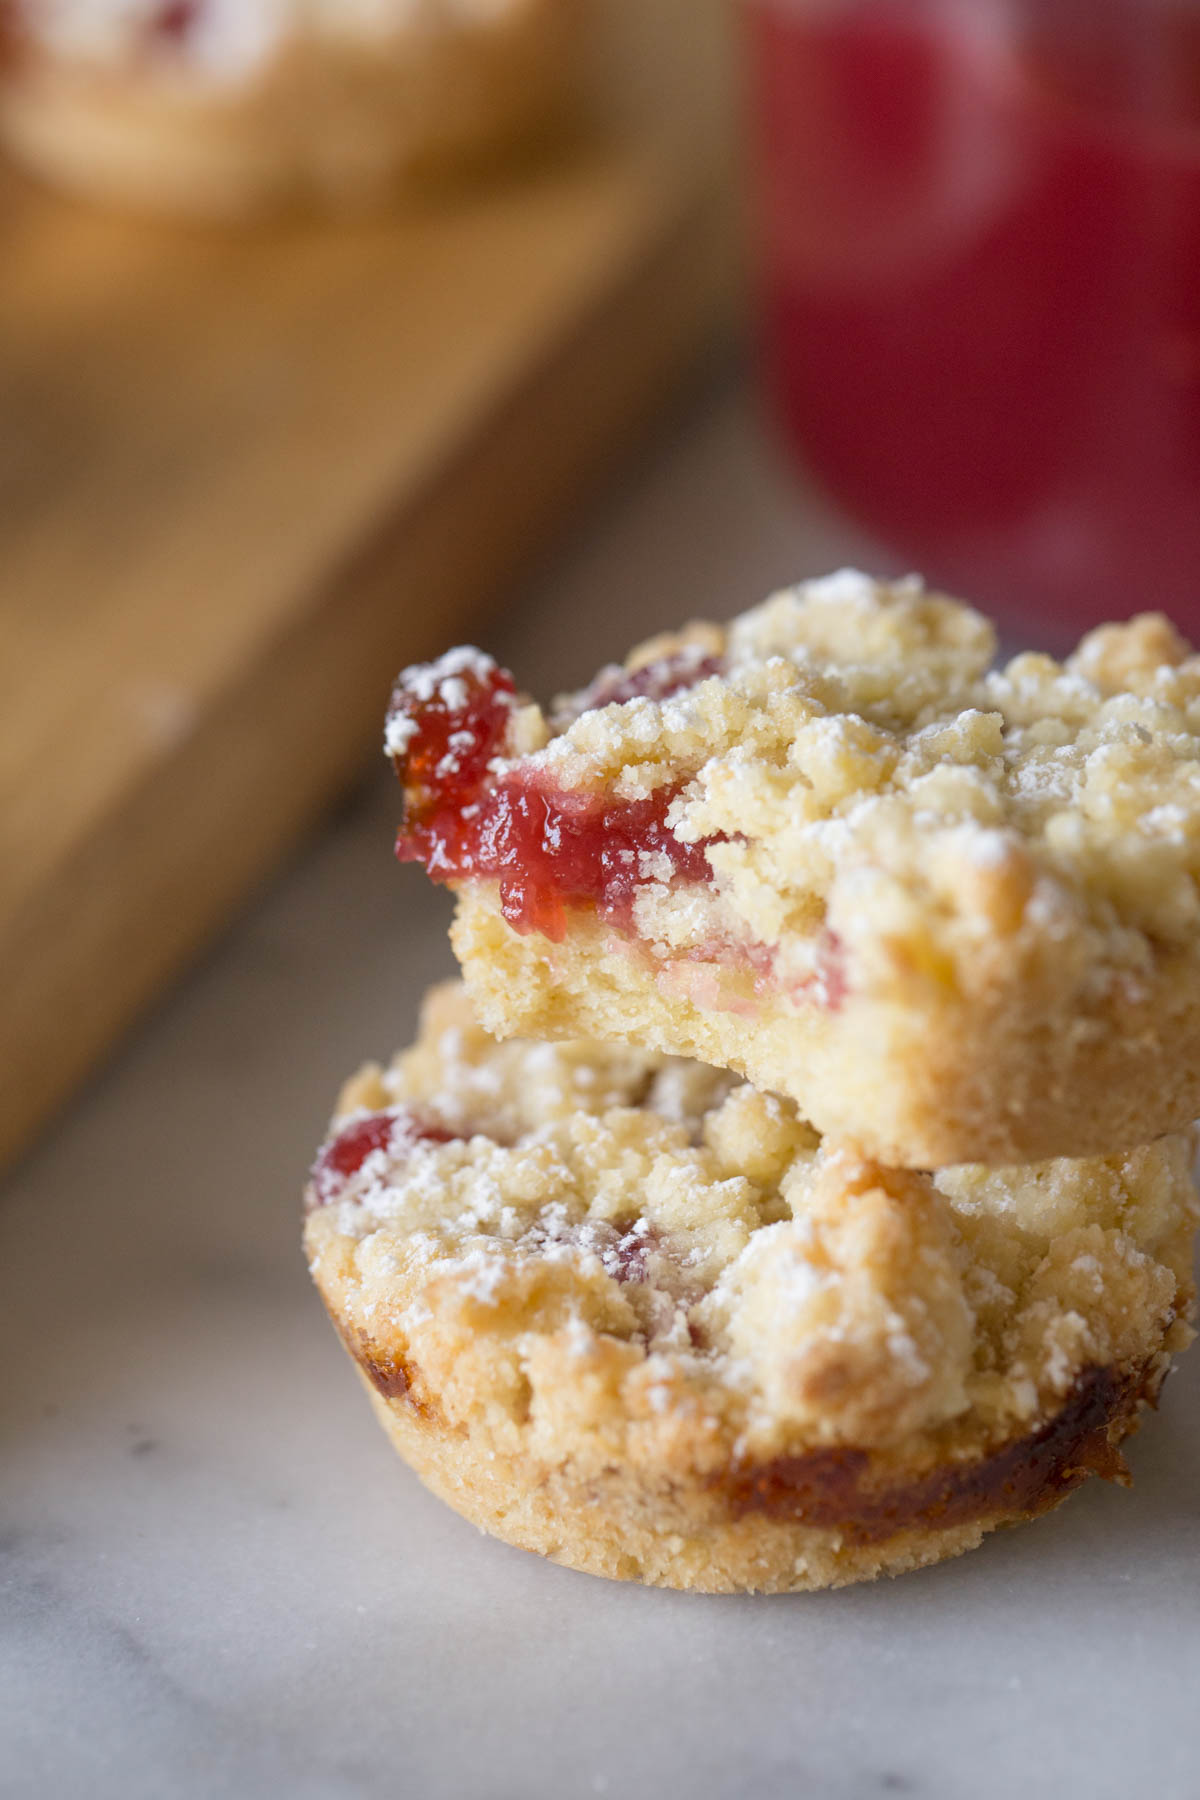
(228, 108)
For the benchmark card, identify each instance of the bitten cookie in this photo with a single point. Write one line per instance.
(629, 1312)
(954, 913)
(227, 107)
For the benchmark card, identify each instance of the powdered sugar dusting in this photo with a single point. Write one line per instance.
(687, 1247)
(441, 682)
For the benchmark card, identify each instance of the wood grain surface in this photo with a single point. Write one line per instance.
(243, 478)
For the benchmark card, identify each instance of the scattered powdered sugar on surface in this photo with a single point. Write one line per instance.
(460, 743)
(851, 588)
(1166, 821)
(987, 847)
(1060, 1368)
(904, 1353)
(399, 734)
(442, 679)
(655, 865)
(986, 1288)
(610, 1211)
(580, 1338)
(856, 725)
(481, 1274)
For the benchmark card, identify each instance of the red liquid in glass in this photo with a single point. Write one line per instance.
(982, 293)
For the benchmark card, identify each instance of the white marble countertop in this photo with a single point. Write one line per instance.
(217, 1580)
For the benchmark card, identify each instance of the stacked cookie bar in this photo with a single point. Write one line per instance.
(232, 108)
(801, 1184)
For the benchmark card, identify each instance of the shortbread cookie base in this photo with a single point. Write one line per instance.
(324, 124)
(633, 1314)
(951, 911)
(764, 1529)
(1002, 1077)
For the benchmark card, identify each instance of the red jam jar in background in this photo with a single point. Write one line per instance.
(980, 226)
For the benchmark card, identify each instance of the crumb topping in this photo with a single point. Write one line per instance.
(231, 40)
(692, 1239)
(853, 764)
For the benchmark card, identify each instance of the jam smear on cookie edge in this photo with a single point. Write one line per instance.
(549, 848)
(344, 1154)
(553, 850)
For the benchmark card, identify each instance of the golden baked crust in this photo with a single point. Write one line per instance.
(952, 912)
(631, 1313)
(260, 106)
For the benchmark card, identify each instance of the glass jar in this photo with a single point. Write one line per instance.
(981, 286)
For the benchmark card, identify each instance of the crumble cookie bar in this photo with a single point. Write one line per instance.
(951, 912)
(629, 1312)
(225, 107)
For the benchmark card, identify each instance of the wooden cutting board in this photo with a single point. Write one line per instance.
(242, 480)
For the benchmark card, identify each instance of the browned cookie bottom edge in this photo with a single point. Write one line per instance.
(825, 1518)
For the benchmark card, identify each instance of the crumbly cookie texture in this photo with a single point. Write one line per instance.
(951, 910)
(631, 1313)
(228, 107)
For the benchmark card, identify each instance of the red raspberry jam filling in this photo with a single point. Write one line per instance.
(550, 848)
(829, 983)
(446, 722)
(625, 1260)
(672, 674)
(393, 1132)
